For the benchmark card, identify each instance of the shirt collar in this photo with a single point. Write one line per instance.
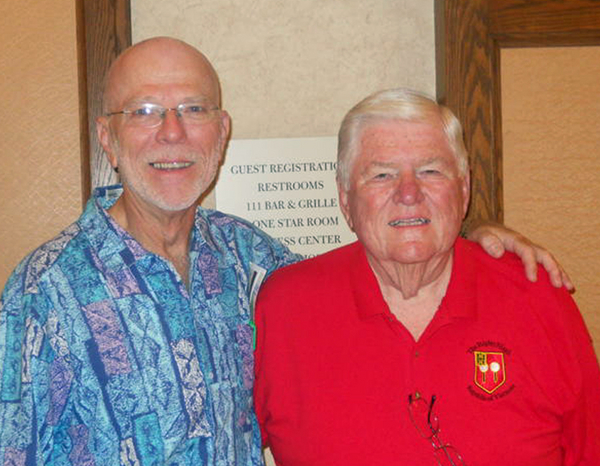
(365, 287)
(104, 198)
(112, 244)
(462, 289)
(461, 292)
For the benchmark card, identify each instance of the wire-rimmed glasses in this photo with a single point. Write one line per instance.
(428, 425)
(149, 115)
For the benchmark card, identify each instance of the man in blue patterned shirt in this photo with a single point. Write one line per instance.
(127, 338)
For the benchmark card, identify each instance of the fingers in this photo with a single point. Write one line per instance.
(496, 239)
(558, 276)
(490, 236)
(531, 254)
(567, 282)
(492, 245)
(551, 267)
(527, 251)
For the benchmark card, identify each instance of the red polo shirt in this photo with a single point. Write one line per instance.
(510, 363)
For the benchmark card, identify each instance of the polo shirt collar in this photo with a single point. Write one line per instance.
(365, 287)
(461, 290)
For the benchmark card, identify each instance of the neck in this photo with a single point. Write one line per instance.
(164, 233)
(413, 292)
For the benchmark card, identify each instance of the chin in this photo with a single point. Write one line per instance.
(168, 198)
(169, 202)
(411, 259)
(177, 205)
(179, 199)
(412, 253)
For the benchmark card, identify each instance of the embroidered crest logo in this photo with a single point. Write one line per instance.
(490, 372)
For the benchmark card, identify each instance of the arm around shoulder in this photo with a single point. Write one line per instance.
(495, 239)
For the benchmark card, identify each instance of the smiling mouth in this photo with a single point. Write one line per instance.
(170, 165)
(410, 222)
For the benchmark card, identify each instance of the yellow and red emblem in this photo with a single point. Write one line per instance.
(490, 372)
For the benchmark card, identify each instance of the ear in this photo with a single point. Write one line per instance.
(466, 192)
(344, 204)
(225, 129)
(103, 132)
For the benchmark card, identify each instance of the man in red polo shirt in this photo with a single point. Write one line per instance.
(412, 346)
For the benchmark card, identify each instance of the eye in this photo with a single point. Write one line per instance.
(382, 176)
(431, 171)
(194, 110)
(144, 111)
(379, 174)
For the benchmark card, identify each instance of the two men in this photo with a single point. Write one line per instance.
(412, 346)
(126, 339)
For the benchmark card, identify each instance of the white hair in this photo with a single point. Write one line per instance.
(396, 104)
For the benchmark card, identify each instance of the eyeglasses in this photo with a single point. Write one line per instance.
(428, 426)
(149, 115)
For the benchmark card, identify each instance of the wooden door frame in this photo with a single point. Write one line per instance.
(103, 32)
(469, 37)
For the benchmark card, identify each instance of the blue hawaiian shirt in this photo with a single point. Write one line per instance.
(106, 358)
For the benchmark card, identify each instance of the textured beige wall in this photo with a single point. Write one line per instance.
(551, 110)
(40, 189)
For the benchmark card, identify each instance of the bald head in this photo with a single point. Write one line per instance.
(145, 68)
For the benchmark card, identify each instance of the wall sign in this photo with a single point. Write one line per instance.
(287, 188)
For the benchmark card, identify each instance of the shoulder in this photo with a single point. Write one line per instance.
(226, 226)
(32, 269)
(25, 294)
(222, 220)
(505, 279)
(299, 298)
(230, 234)
(320, 272)
(507, 270)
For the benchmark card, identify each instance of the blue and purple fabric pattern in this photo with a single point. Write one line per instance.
(108, 358)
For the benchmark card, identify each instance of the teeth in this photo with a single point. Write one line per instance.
(170, 165)
(409, 222)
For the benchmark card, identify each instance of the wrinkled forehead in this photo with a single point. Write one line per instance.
(162, 71)
(399, 132)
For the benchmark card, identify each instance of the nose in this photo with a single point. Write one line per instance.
(408, 190)
(171, 129)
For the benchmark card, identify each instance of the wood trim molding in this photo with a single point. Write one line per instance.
(465, 68)
(546, 19)
(469, 37)
(84, 138)
(103, 32)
